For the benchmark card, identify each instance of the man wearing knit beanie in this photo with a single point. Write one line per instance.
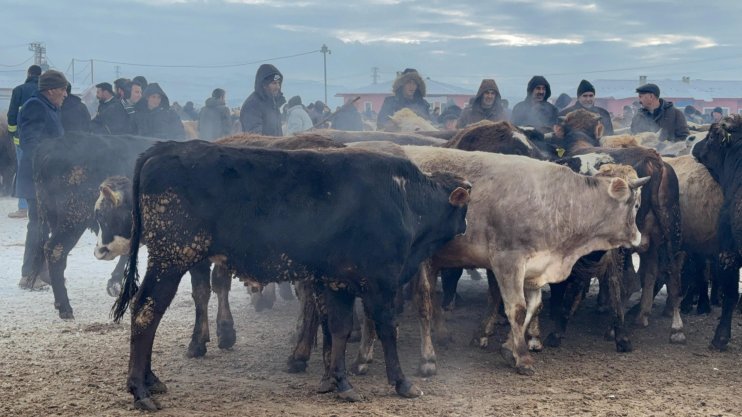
(39, 120)
(535, 111)
(586, 101)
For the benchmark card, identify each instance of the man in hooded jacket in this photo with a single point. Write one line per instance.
(409, 92)
(214, 119)
(154, 117)
(535, 110)
(586, 101)
(486, 105)
(260, 113)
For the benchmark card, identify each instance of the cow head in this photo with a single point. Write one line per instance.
(625, 189)
(719, 140)
(113, 214)
(457, 190)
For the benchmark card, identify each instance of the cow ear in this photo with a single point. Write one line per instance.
(619, 189)
(115, 197)
(634, 184)
(459, 197)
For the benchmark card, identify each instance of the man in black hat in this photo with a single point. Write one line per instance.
(657, 114)
(535, 110)
(586, 101)
(717, 114)
(112, 118)
(19, 96)
(39, 120)
(261, 111)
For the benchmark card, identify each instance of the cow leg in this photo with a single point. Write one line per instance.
(366, 346)
(673, 270)
(692, 278)
(423, 299)
(511, 287)
(648, 266)
(491, 317)
(340, 323)
(613, 276)
(33, 254)
(147, 308)
(449, 282)
(533, 308)
(221, 283)
(113, 287)
(285, 291)
(201, 288)
(56, 249)
(604, 296)
(728, 273)
(327, 384)
(264, 297)
(307, 325)
(572, 291)
(378, 306)
(704, 303)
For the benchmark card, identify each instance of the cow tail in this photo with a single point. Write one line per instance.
(131, 275)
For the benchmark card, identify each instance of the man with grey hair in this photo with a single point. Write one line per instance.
(657, 114)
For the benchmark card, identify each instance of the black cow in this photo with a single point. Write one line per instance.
(67, 174)
(721, 153)
(8, 162)
(359, 223)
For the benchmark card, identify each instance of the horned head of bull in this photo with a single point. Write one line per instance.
(622, 189)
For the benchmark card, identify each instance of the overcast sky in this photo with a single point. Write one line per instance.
(458, 42)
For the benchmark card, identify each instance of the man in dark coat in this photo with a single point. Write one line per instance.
(486, 105)
(214, 120)
(657, 114)
(112, 118)
(19, 96)
(535, 110)
(347, 118)
(75, 114)
(586, 101)
(261, 111)
(154, 118)
(39, 120)
(409, 92)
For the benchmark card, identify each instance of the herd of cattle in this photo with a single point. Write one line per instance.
(374, 215)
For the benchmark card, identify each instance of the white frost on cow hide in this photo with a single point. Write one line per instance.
(401, 182)
(590, 163)
(521, 137)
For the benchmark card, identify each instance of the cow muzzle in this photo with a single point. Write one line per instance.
(119, 246)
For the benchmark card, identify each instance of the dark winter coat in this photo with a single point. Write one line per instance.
(39, 120)
(605, 117)
(474, 112)
(347, 118)
(112, 118)
(666, 117)
(214, 120)
(161, 122)
(261, 113)
(75, 115)
(19, 96)
(398, 102)
(541, 115)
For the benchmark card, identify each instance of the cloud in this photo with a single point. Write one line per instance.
(697, 42)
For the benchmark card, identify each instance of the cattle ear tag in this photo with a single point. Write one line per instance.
(619, 189)
(459, 197)
(560, 152)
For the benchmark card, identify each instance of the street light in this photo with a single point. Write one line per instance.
(325, 50)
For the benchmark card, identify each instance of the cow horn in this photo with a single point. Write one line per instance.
(115, 196)
(634, 184)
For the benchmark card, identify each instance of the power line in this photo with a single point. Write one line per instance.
(17, 65)
(241, 64)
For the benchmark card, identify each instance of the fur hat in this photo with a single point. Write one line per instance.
(649, 88)
(409, 74)
(52, 79)
(584, 87)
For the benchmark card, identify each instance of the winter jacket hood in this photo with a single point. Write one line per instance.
(536, 81)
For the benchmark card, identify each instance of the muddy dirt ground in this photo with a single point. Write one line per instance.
(78, 368)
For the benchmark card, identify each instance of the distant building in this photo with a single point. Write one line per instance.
(438, 94)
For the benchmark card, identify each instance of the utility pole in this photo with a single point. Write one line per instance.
(325, 51)
(73, 70)
(39, 54)
(375, 74)
(92, 74)
(118, 71)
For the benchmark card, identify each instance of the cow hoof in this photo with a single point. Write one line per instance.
(196, 350)
(66, 315)
(113, 287)
(624, 346)
(701, 310)
(350, 396)
(158, 387)
(326, 385)
(642, 321)
(507, 354)
(147, 404)
(296, 366)
(553, 340)
(526, 370)
(359, 368)
(407, 389)
(227, 337)
(677, 337)
(480, 341)
(535, 345)
(427, 369)
(719, 343)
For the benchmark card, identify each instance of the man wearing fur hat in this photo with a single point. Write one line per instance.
(657, 114)
(261, 112)
(586, 101)
(535, 111)
(486, 105)
(409, 92)
(39, 120)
